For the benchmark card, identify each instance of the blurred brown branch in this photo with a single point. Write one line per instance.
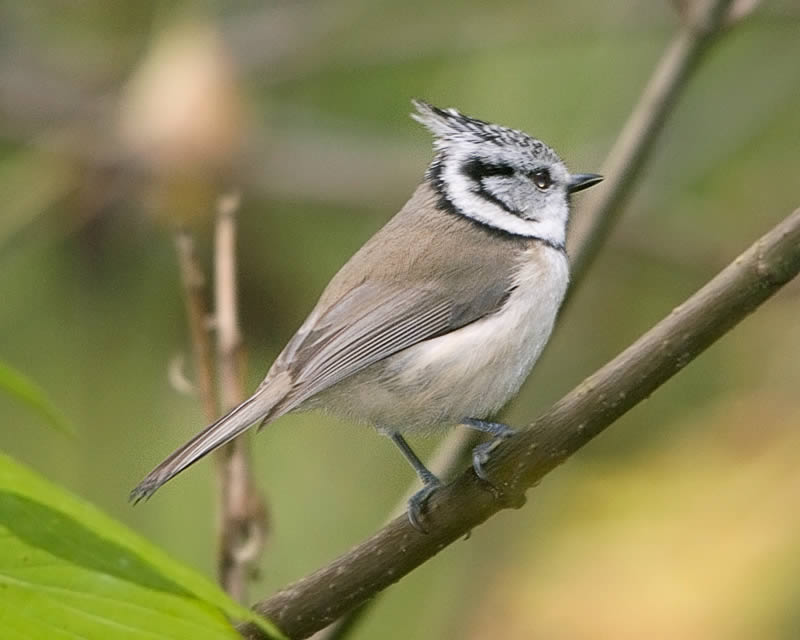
(636, 140)
(598, 213)
(196, 303)
(241, 511)
(397, 549)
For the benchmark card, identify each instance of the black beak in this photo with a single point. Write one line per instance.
(581, 181)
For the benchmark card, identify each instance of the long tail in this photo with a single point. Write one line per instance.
(255, 409)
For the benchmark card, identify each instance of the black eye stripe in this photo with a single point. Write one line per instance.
(478, 169)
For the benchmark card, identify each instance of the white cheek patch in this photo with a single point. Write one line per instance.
(460, 192)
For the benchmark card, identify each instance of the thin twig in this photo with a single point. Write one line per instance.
(241, 511)
(195, 299)
(316, 600)
(598, 213)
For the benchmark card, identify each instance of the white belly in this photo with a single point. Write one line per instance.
(468, 373)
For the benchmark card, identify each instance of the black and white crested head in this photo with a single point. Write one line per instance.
(499, 177)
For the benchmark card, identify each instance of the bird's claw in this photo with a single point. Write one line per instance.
(481, 454)
(418, 502)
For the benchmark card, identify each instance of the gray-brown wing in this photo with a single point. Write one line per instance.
(370, 323)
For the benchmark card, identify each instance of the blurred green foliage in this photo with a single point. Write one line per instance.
(689, 494)
(18, 386)
(67, 571)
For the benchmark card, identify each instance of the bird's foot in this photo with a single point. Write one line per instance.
(418, 502)
(481, 453)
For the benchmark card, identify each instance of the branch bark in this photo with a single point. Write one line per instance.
(241, 510)
(195, 302)
(318, 599)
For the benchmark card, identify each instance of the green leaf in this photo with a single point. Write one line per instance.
(69, 571)
(26, 391)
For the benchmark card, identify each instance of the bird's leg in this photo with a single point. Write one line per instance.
(480, 454)
(416, 504)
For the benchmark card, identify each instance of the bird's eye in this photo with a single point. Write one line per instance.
(542, 179)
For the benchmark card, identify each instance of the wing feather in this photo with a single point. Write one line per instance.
(370, 323)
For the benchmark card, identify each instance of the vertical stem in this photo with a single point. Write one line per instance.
(195, 300)
(241, 511)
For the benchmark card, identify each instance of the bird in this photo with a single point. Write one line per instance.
(438, 319)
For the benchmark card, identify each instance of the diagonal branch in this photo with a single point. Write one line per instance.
(397, 549)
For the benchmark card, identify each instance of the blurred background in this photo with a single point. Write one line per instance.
(119, 121)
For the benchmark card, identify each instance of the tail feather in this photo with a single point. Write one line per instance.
(257, 408)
